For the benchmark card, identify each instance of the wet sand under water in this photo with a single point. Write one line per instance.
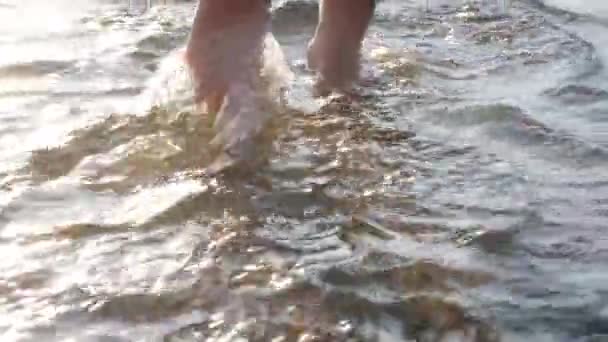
(463, 197)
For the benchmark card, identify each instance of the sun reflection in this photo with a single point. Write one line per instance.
(30, 16)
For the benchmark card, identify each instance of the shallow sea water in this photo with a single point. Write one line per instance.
(462, 197)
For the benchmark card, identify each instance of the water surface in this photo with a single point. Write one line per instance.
(463, 197)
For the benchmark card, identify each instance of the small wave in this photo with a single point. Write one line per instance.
(573, 9)
(512, 125)
(35, 68)
(573, 94)
(89, 211)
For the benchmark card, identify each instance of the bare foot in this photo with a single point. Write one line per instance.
(334, 52)
(225, 55)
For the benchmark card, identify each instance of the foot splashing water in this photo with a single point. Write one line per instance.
(237, 73)
(462, 196)
(233, 71)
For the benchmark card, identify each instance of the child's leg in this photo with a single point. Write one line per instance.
(224, 43)
(334, 51)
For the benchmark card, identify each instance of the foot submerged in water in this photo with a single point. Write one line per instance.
(225, 54)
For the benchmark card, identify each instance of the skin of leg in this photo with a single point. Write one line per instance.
(334, 51)
(225, 54)
(223, 33)
(215, 101)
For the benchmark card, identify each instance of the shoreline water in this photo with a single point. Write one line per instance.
(463, 198)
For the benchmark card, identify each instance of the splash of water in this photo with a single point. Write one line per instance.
(249, 102)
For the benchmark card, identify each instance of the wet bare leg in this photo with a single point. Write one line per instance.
(334, 52)
(225, 54)
(223, 33)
